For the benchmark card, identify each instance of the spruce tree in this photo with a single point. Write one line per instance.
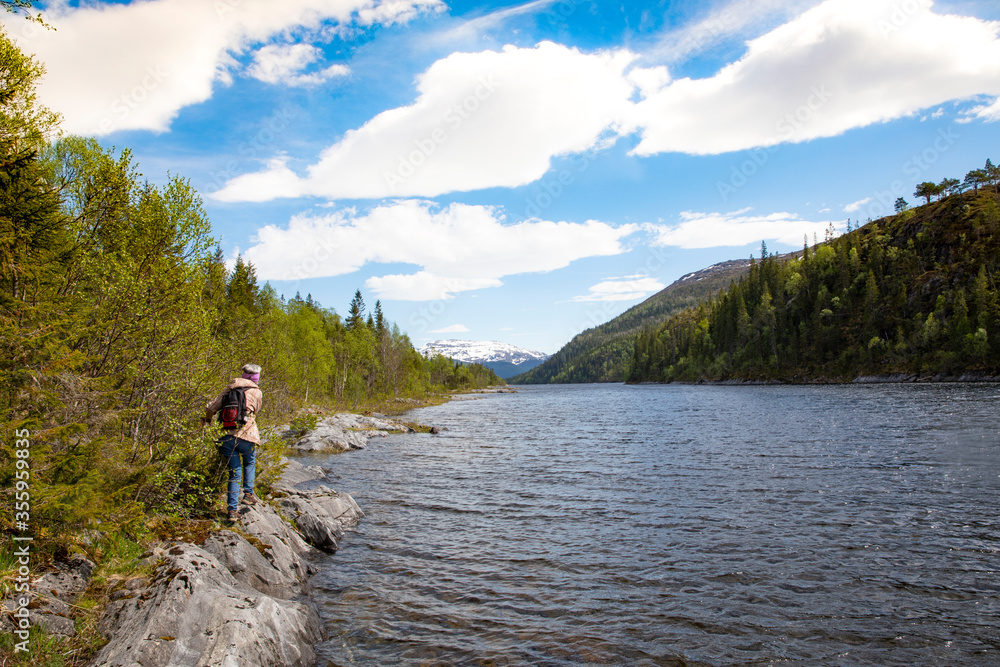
(356, 312)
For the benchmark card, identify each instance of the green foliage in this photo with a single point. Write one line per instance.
(913, 293)
(304, 423)
(449, 374)
(120, 320)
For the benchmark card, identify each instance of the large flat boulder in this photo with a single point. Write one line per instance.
(195, 612)
(247, 563)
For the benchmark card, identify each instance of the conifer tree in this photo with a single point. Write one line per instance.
(356, 311)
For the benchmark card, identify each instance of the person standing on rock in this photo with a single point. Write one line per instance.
(237, 446)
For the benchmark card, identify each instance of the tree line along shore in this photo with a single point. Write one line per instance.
(910, 296)
(119, 320)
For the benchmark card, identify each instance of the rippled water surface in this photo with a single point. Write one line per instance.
(658, 525)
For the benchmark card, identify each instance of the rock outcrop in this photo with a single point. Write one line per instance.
(236, 600)
(319, 512)
(341, 432)
(195, 612)
(54, 592)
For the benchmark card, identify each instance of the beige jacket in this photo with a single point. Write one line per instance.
(253, 396)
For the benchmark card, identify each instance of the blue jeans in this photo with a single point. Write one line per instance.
(232, 450)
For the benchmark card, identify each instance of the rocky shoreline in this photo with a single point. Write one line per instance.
(342, 432)
(241, 598)
(238, 595)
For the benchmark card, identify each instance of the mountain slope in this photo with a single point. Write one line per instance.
(504, 359)
(909, 295)
(602, 354)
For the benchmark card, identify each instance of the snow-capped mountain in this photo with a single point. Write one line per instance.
(506, 360)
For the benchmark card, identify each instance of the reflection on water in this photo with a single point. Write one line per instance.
(658, 525)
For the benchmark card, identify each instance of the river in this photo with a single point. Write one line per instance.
(671, 524)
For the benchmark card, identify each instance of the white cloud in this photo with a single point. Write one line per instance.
(496, 119)
(628, 288)
(458, 248)
(285, 64)
(987, 112)
(736, 228)
(854, 206)
(133, 66)
(481, 120)
(454, 328)
(722, 23)
(842, 65)
(425, 286)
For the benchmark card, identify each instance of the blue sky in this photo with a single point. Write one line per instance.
(524, 171)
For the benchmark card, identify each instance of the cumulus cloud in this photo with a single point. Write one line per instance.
(488, 119)
(855, 206)
(736, 228)
(458, 248)
(113, 66)
(286, 64)
(841, 65)
(628, 288)
(497, 118)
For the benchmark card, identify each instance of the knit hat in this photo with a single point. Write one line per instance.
(251, 372)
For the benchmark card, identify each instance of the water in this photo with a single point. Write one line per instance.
(660, 525)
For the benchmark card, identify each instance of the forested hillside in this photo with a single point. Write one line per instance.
(602, 354)
(119, 320)
(911, 293)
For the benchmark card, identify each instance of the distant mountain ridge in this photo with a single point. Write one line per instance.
(504, 359)
(602, 354)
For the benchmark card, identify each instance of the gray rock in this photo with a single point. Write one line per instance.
(284, 548)
(319, 512)
(345, 431)
(53, 623)
(248, 565)
(196, 613)
(318, 532)
(53, 592)
(297, 477)
(69, 580)
(228, 603)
